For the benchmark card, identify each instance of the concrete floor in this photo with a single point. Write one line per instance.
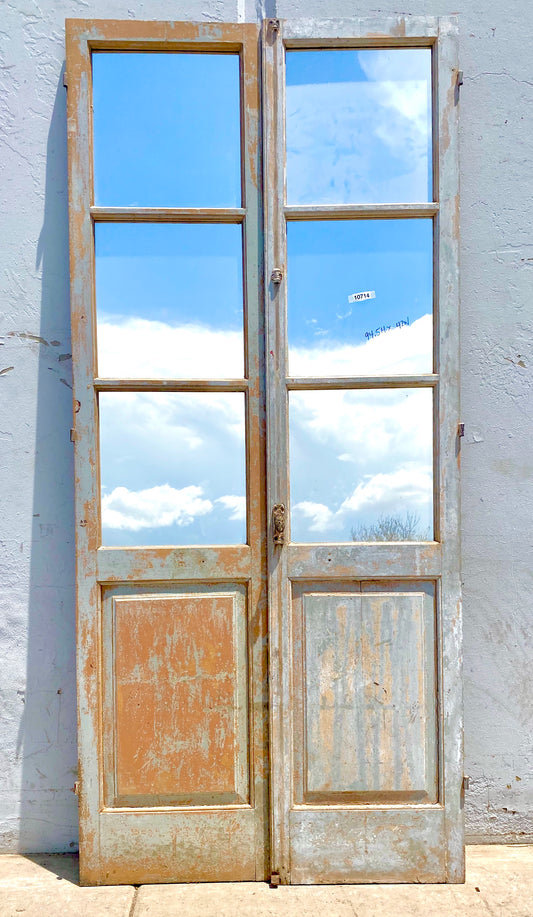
(499, 883)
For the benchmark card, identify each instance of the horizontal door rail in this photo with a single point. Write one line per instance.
(366, 560)
(220, 563)
(360, 211)
(171, 385)
(305, 383)
(168, 214)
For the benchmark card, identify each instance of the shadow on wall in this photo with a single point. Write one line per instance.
(47, 739)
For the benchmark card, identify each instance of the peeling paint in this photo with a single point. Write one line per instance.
(26, 336)
(496, 308)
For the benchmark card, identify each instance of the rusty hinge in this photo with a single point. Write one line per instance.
(65, 80)
(76, 788)
(276, 275)
(461, 429)
(72, 435)
(466, 783)
(275, 880)
(278, 523)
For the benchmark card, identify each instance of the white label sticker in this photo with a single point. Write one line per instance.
(357, 297)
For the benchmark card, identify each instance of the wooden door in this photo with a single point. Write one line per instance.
(169, 451)
(322, 744)
(363, 449)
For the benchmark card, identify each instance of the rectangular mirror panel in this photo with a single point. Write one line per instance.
(358, 126)
(361, 465)
(360, 297)
(172, 468)
(169, 300)
(166, 129)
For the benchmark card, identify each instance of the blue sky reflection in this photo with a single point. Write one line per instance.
(328, 260)
(169, 300)
(358, 126)
(166, 129)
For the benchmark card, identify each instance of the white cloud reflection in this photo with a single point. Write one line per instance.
(236, 506)
(140, 348)
(173, 463)
(154, 507)
(402, 350)
(381, 494)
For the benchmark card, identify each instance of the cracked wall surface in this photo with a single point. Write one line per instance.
(37, 675)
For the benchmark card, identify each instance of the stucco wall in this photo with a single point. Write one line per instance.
(37, 674)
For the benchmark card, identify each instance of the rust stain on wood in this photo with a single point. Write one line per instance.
(176, 695)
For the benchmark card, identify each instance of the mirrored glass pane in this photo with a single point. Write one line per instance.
(166, 129)
(360, 297)
(361, 465)
(172, 468)
(358, 126)
(169, 300)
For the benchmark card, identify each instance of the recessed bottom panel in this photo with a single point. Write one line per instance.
(372, 846)
(194, 846)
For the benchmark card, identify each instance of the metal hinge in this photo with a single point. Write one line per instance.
(276, 275)
(275, 880)
(466, 783)
(273, 25)
(459, 77)
(461, 429)
(72, 435)
(76, 788)
(65, 80)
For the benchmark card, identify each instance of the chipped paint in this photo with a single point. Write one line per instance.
(178, 723)
(38, 582)
(172, 678)
(382, 727)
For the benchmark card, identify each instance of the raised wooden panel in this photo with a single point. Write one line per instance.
(177, 696)
(365, 717)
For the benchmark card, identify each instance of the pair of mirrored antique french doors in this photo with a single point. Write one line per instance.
(264, 299)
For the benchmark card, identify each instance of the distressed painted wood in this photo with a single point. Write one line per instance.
(363, 560)
(366, 816)
(170, 385)
(277, 447)
(392, 814)
(362, 32)
(446, 155)
(376, 845)
(177, 791)
(158, 842)
(115, 565)
(306, 383)
(365, 717)
(176, 698)
(167, 215)
(360, 211)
